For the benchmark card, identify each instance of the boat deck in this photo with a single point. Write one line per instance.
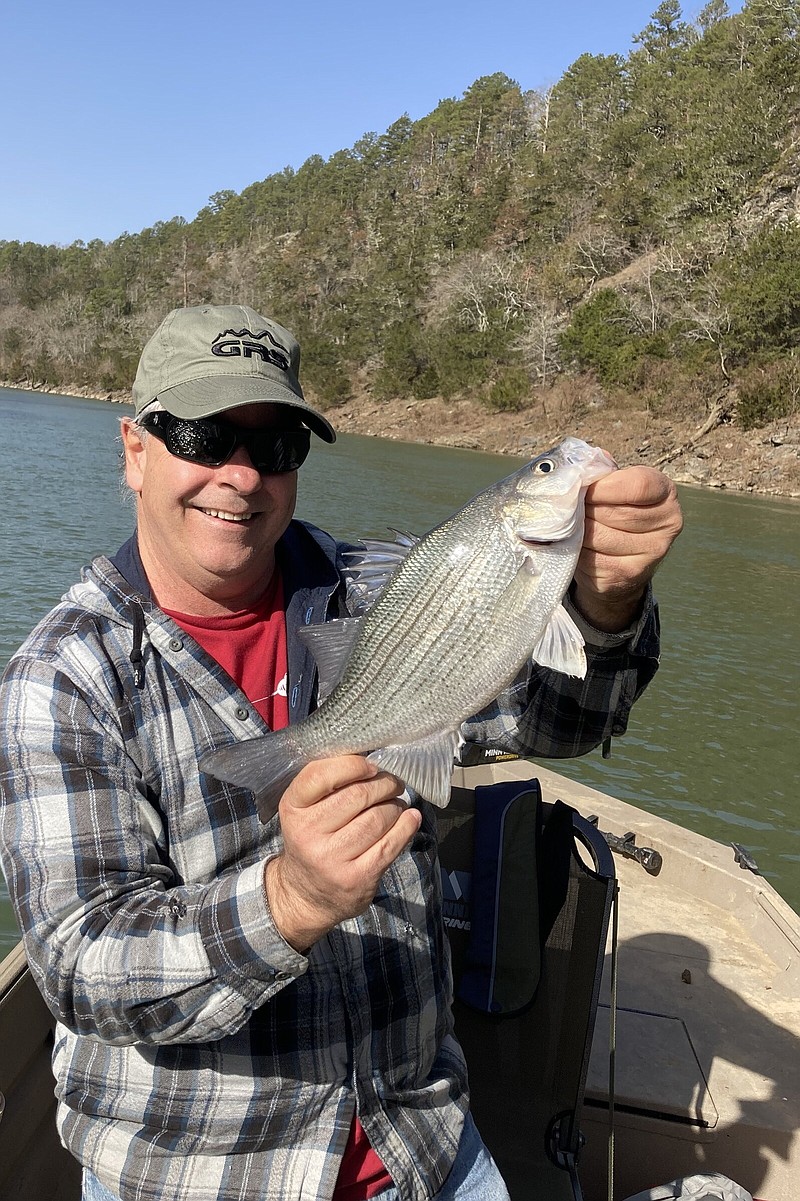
(707, 1063)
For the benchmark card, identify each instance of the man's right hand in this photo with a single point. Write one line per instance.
(343, 824)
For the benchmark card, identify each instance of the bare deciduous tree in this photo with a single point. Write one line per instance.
(708, 319)
(598, 252)
(538, 107)
(538, 344)
(480, 287)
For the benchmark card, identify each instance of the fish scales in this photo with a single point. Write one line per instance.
(455, 623)
(432, 634)
(389, 671)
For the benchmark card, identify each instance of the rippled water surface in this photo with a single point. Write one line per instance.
(713, 742)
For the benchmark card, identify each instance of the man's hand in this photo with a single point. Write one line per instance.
(632, 519)
(343, 825)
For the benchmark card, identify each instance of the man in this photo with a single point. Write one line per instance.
(252, 1011)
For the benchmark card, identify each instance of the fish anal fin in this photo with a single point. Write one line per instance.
(331, 645)
(425, 766)
(561, 645)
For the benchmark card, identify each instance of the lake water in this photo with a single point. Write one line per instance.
(713, 742)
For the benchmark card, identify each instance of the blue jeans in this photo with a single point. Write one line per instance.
(93, 1190)
(474, 1176)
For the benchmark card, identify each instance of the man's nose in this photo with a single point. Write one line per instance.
(239, 471)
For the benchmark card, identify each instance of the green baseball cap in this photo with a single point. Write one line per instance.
(204, 360)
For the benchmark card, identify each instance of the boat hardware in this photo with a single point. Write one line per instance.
(625, 845)
(568, 1160)
(745, 860)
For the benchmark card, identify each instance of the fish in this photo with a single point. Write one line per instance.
(442, 625)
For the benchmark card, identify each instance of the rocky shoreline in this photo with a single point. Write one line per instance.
(714, 453)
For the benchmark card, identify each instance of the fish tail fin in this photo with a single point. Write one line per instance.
(265, 765)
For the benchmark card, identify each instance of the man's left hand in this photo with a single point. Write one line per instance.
(632, 518)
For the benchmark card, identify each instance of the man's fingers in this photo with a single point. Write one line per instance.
(646, 505)
(343, 825)
(372, 823)
(650, 543)
(322, 777)
(382, 854)
(634, 486)
(606, 539)
(348, 796)
(635, 519)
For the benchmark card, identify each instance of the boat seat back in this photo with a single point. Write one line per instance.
(527, 931)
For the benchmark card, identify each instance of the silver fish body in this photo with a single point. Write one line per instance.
(458, 619)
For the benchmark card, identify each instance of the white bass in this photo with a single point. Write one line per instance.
(457, 616)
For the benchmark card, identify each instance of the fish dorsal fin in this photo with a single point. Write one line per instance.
(425, 766)
(561, 645)
(331, 645)
(369, 569)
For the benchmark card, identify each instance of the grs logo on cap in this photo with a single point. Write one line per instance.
(236, 343)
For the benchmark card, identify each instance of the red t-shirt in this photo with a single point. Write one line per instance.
(251, 646)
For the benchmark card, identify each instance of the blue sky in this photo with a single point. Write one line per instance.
(120, 115)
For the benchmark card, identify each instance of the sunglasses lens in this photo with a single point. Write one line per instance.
(275, 451)
(200, 441)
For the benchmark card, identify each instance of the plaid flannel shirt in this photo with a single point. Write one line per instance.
(198, 1057)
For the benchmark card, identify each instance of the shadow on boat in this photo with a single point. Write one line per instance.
(703, 1079)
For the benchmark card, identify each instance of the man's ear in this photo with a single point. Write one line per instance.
(134, 449)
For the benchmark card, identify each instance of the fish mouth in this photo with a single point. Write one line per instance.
(593, 461)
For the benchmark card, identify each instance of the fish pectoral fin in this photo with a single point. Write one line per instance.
(425, 766)
(331, 645)
(561, 645)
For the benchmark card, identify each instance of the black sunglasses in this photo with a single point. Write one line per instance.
(211, 442)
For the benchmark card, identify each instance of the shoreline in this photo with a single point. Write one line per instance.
(713, 454)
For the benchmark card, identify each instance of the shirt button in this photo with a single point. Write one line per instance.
(175, 644)
(242, 713)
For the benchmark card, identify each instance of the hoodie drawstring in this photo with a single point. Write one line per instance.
(136, 654)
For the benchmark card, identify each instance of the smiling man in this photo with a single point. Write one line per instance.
(207, 537)
(252, 1012)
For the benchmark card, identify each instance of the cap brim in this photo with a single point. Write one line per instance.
(208, 397)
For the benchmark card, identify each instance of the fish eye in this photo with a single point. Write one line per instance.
(544, 466)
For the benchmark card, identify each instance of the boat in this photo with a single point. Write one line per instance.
(706, 1065)
(699, 996)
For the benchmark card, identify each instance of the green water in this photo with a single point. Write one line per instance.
(711, 745)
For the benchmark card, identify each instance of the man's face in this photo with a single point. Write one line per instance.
(207, 535)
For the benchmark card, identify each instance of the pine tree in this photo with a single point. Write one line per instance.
(711, 15)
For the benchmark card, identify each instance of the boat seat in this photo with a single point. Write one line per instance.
(527, 918)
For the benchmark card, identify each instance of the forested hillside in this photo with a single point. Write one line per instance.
(636, 225)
